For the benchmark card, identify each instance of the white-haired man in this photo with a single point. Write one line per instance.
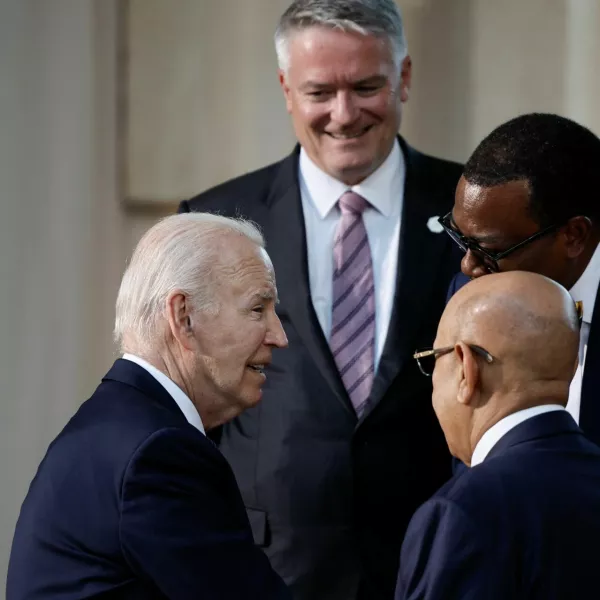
(132, 500)
(332, 474)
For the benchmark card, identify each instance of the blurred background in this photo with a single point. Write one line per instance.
(112, 111)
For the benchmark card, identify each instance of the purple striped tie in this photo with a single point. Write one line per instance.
(353, 310)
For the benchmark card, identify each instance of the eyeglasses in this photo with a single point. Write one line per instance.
(487, 257)
(426, 358)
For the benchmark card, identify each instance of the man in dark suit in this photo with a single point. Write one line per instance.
(527, 200)
(132, 499)
(345, 445)
(524, 521)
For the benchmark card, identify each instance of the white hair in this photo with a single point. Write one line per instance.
(178, 253)
(380, 18)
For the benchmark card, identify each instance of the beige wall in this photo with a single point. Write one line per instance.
(61, 227)
(477, 63)
(217, 109)
(195, 109)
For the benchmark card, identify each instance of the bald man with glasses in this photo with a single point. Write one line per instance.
(523, 522)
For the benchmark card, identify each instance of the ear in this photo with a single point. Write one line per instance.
(577, 232)
(470, 375)
(286, 90)
(179, 317)
(405, 78)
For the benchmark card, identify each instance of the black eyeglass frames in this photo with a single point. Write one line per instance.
(487, 257)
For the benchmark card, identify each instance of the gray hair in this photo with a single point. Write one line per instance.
(178, 253)
(380, 18)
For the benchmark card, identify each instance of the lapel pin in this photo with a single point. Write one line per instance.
(434, 225)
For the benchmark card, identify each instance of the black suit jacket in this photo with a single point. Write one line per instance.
(589, 416)
(524, 524)
(330, 496)
(132, 502)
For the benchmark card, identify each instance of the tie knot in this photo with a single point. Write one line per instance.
(350, 202)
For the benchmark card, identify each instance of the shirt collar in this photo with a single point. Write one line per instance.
(378, 188)
(185, 404)
(497, 431)
(586, 287)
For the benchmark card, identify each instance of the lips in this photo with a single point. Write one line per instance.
(349, 136)
(258, 368)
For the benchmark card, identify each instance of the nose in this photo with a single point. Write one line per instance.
(275, 333)
(471, 266)
(344, 110)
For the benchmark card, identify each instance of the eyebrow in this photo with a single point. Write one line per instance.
(317, 85)
(265, 295)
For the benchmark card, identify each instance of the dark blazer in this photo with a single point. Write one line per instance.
(524, 524)
(132, 502)
(329, 496)
(589, 416)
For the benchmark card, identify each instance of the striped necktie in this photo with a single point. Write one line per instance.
(352, 338)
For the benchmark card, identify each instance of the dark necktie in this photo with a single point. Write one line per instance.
(353, 310)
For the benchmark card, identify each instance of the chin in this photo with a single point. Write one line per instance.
(352, 173)
(250, 400)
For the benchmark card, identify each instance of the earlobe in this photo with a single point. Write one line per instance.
(463, 392)
(179, 319)
(286, 91)
(577, 233)
(469, 374)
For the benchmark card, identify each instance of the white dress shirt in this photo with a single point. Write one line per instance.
(493, 435)
(384, 190)
(180, 397)
(585, 290)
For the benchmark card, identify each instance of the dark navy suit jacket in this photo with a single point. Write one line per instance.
(589, 417)
(524, 524)
(132, 502)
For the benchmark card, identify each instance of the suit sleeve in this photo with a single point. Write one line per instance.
(444, 557)
(451, 288)
(183, 525)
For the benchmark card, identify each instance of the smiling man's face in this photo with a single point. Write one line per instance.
(344, 93)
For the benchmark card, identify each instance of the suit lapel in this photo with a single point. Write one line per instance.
(420, 251)
(589, 417)
(286, 235)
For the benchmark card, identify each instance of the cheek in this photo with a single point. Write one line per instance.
(248, 347)
(309, 114)
(441, 388)
(380, 105)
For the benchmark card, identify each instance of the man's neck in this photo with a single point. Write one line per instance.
(495, 433)
(499, 407)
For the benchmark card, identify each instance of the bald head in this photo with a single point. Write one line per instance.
(527, 320)
(529, 326)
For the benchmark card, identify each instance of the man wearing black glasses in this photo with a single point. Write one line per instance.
(524, 520)
(529, 200)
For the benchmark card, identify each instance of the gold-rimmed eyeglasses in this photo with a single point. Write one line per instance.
(426, 358)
